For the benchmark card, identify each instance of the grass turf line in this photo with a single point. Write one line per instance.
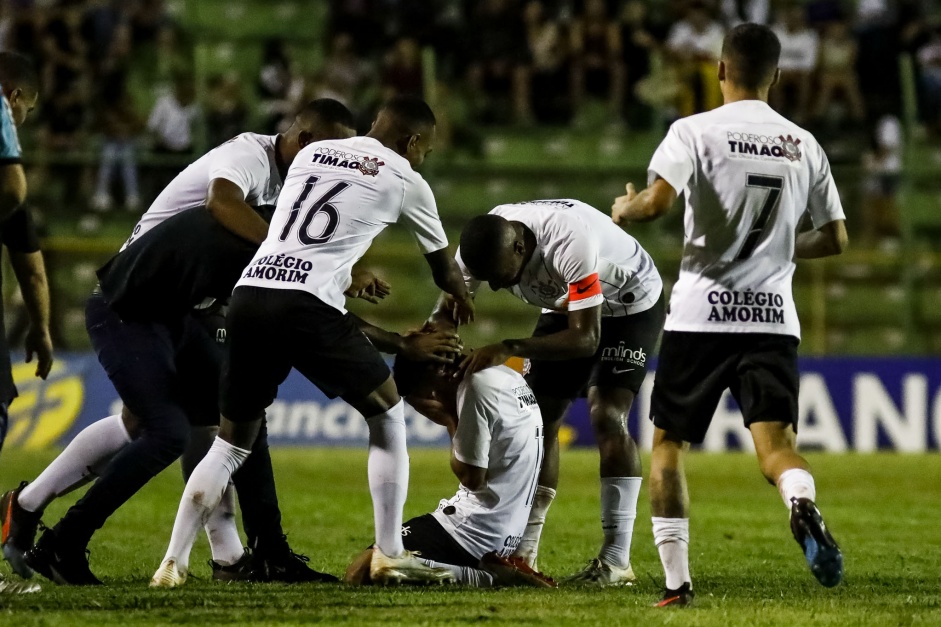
(747, 569)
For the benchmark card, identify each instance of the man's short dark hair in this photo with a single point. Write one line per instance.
(329, 111)
(480, 241)
(17, 71)
(411, 112)
(751, 53)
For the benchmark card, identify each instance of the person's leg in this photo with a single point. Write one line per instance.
(669, 507)
(109, 156)
(129, 174)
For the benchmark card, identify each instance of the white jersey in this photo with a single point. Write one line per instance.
(338, 196)
(499, 428)
(582, 259)
(749, 175)
(247, 160)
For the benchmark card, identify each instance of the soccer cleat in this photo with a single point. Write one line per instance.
(406, 569)
(681, 597)
(514, 571)
(289, 567)
(58, 562)
(530, 557)
(242, 570)
(169, 575)
(820, 549)
(18, 587)
(17, 531)
(357, 573)
(600, 573)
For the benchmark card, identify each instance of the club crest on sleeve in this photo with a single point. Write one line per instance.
(369, 166)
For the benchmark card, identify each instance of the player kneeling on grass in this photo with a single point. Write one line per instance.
(496, 451)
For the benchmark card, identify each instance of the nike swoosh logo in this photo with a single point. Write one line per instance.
(622, 370)
(582, 290)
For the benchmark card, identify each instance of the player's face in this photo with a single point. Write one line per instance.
(22, 102)
(508, 269)
(419, 146)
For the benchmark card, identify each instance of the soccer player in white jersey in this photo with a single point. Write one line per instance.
(602, 314)
(496, 451)
(288, 311)
(749, 176)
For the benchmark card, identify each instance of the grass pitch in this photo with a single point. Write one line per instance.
(883, 509)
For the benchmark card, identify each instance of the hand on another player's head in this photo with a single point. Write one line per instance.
(431, 345)
(483, 358)
(367, 286)
(621, 204)
(463, 310)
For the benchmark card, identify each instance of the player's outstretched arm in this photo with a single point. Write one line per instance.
(225, 202)
(648, 205)
(367, 286)
(447, 275)
(437, 346)
(580, 339)
(829, 240)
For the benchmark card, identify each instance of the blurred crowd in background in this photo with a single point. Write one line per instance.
(639, 63)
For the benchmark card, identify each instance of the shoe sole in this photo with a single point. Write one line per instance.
(822, 554)
(396, 577)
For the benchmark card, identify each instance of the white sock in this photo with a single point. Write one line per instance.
(528, 548)
(671, 535)
(618, 511)
(222, 532)
(796, 483)
(388, 477)
(203, 492)
(81, 461)
(464, 575)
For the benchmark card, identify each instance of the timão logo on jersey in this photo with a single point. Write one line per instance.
(624, 355)
(525, 398)
(780, 147)
(367, 166)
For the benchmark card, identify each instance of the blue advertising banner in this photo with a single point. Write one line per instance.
(846, 404)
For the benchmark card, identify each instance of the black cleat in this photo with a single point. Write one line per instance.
(284, 565)
(820, 549)
(681, 597)
(242, 570)
(17, 531)
(65, 565)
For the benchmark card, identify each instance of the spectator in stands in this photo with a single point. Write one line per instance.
(174, 55)
(119, 123)
(597, 62)
(171, 124)
(148, 19)
(548, 51)
(738, 11)
(402, 71)
(274, 84)
(799, 50)
(928, 56)
(63, 51)
(639, 43)
(838, 52)
(883, 167)
(499, 69)
(100, 23)
(694, 45)
(226, 111)
(344, 71)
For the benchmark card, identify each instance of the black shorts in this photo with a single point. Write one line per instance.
(760, 369)
(271, 331)
(426, 535)
(627, 342)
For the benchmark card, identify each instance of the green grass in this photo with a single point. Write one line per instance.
(747, 570)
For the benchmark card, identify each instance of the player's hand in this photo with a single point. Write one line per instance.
(367, 286)
(438, 346)
(39, 343)
(622, 204)
(483, 358)
(463, 310)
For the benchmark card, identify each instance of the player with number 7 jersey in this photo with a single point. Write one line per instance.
(287, 311)
(749, 177)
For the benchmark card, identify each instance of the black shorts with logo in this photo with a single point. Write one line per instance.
(760, 369)
(271, 331)
(627, 342)
(426, 535)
